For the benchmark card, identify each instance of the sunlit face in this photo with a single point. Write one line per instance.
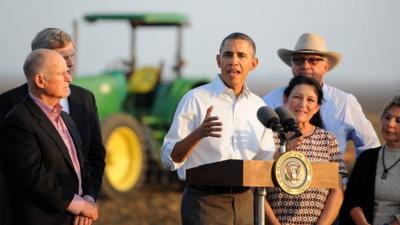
(68, 52)
(55, 78)
(312, 66)
(303, 102)
(236, 60)
(390, 125)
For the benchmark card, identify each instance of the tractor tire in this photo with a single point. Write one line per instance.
(126, 155)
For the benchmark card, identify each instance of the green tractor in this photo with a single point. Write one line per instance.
(136, 107)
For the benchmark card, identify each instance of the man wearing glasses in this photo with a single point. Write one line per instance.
(340, 111)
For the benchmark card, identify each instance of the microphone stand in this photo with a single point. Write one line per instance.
(282, 145)
(261, 192)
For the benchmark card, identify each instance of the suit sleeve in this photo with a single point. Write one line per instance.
(24, 163)
(4, 108)
(94, 162)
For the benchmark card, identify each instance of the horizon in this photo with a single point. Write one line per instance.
(261, 84)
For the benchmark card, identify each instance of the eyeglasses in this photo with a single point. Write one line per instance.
(297, 60)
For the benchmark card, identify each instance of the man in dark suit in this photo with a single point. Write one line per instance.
(4, 207)
(80, 104)
(42, 150)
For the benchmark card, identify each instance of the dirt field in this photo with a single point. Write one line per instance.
(148, 206)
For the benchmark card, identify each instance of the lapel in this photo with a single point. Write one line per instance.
(75, 110)
(78, 114)
(75, 122)
(48, 127)
(74, 132)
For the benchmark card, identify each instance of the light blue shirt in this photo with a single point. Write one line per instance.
(242, 135)
(64, 103)
(341, 114)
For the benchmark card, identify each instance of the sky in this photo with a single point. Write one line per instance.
(365, 32)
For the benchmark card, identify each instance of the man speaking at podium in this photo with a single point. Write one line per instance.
(217, 122)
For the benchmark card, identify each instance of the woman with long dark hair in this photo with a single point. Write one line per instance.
(303, 98)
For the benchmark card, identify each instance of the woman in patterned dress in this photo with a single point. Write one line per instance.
(373, 191)
(303, 98)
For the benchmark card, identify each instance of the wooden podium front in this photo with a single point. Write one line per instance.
(260, 174)
(256, 173)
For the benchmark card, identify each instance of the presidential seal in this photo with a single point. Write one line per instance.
(293, 172)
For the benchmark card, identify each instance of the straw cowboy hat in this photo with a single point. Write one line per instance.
(310, 43)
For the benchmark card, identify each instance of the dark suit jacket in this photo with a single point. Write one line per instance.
(83, 111)
(39, 171)
(4, 203)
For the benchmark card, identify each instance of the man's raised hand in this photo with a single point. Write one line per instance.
(210, 127)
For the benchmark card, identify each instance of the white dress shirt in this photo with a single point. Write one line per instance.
(64, 103)
(242, 135)
(341, 114)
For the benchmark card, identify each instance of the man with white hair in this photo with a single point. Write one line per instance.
(42, 150)
(80, 104)
(340, 111)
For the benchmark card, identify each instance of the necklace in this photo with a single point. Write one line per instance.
(386, 170)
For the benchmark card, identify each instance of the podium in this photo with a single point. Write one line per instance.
(259, 174)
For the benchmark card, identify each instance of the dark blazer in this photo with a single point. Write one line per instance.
(39, 171)
(83, 110)
(4, 207)
(360, 189)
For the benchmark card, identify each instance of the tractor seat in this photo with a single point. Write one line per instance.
(144, 80)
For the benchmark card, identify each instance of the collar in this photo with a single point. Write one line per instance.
(45, 107)
(220, 87)
(326, 93)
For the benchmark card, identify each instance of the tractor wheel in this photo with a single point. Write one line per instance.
(126, 156)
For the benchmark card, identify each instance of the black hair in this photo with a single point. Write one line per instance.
(238, 36)
(316, 120)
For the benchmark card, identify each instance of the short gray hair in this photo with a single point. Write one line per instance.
(51, 38)
(238, 36)
(34, 62)
(394, 102)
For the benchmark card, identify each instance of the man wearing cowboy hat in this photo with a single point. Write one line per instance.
(340, 111)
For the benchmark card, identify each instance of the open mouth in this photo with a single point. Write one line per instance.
(233, 72)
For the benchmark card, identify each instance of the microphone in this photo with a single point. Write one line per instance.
(269, 119)
(289, 122)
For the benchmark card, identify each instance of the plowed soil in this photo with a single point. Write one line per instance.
(151, 205)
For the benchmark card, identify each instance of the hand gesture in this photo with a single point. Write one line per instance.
(210, 127)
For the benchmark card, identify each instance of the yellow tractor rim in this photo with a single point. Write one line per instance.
(124, 159)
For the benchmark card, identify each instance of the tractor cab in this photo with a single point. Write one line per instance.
(136, 106)
(142, 82)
